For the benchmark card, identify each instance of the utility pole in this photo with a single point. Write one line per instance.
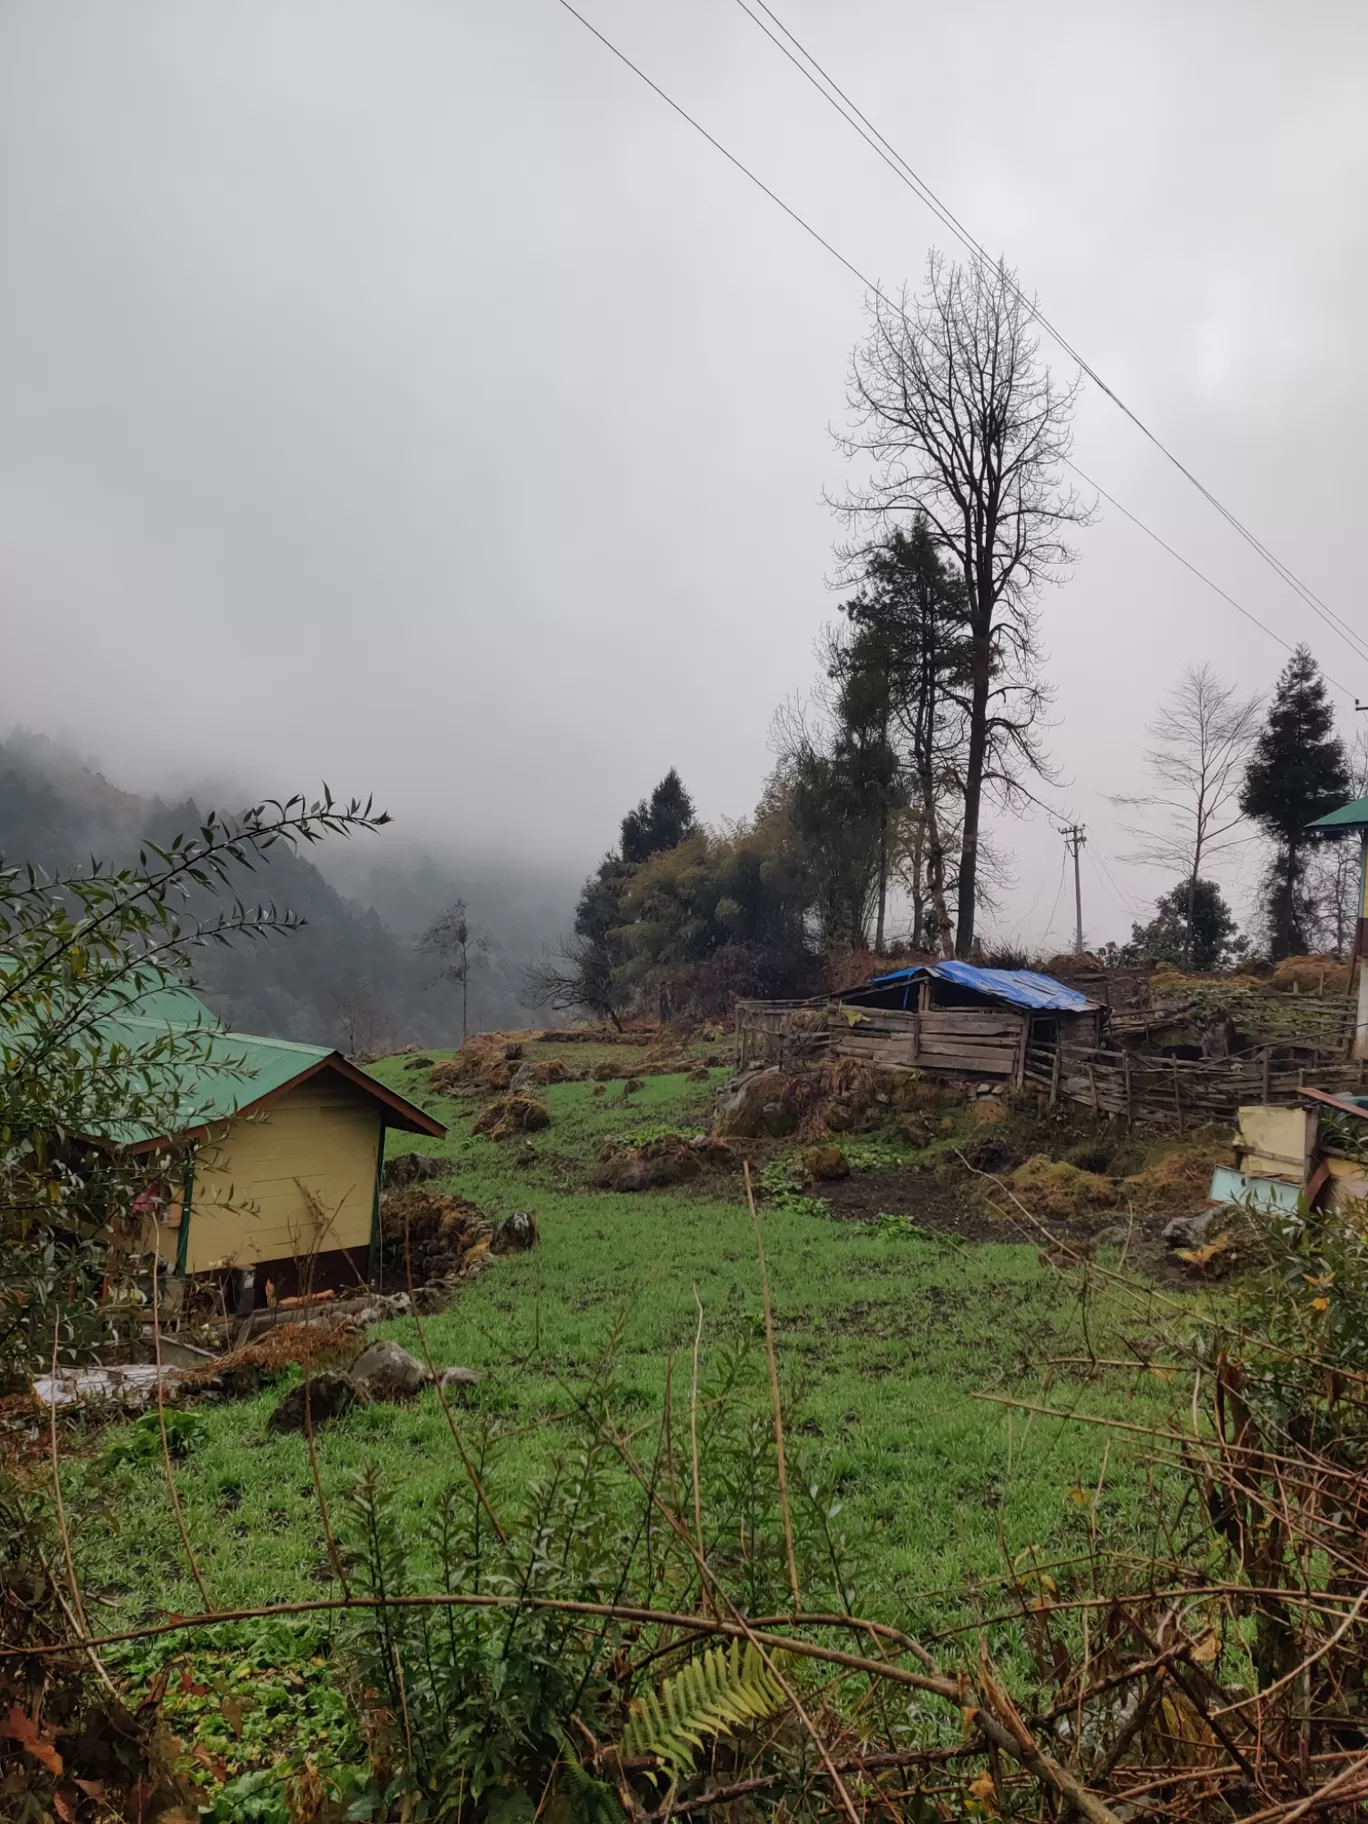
(1073, 841)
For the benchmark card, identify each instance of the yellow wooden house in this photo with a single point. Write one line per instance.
(283, 1147)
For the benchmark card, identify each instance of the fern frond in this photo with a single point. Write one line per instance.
(595, 1801)
(723, 1689)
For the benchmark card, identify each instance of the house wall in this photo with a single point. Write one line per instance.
(248, 1204)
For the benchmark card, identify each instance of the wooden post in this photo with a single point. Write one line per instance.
(1126, 1075)
(1056, 1071)
(1177, 1095)
(1092, 1085)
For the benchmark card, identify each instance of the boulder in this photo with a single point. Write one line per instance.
(1187, 1231)
(329, 1396)
(386, 1372)
(515, 1233)
(419, 1064)
(740, 1105)
(458, 1382)
(699, 1074)
(825, 1164)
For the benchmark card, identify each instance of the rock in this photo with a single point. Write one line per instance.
(699, 1074)
(329, 1396)
(776, 1120)
(1187, 1231)
(523, 1079)
(386, 1372)
(740, 1104)
(526, 1154)
(515, 1233)
(630, 1087)
(419, 1064)
(825, 1164)
(458, 1381)
(411, 1168)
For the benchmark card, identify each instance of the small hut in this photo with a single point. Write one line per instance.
(953, 1017)
(283, 1144)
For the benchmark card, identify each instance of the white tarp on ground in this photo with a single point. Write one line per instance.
(133, 1384)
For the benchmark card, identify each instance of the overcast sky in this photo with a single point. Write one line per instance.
(400, 393)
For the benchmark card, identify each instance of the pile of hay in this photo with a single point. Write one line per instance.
(446, 1234)
(668, 1159)
(244, 1371)
(1317, 975)
(512, 1115)
(1178, 1182)
(1052, 1189)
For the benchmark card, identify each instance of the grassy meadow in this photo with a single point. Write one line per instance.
(885, 1336)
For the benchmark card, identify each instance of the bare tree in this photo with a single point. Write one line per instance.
(577, 976)
(365, 1030)
(963, 424)
(451, 938)
(1200, 742)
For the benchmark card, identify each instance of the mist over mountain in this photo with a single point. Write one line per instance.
(353, 976)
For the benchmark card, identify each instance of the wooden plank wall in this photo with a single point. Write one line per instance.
(968, 1041)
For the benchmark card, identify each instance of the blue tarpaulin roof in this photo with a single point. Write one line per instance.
(1020, 987)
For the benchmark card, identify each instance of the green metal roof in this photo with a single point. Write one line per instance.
(1352, 816)
(230, 1072)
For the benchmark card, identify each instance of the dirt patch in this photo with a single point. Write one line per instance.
(930, 1199)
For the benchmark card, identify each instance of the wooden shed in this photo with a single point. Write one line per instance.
(284, 1145)
(952, 1017)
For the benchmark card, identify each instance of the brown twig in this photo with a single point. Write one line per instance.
(774, 1391)
(161, 1420)
(471, 1472)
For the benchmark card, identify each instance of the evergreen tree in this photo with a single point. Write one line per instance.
(659, 822)
(1297, 773)
(1192, 927)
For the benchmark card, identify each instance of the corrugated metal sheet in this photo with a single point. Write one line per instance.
(1346, 817)
(232, 1071)
(1018, 987)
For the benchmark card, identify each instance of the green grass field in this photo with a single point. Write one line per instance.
(883, 1343)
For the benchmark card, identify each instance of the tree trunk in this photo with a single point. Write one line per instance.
(1191, 921)
(973, 793)
(883, 879)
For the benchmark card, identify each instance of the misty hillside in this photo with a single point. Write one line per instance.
(353, 976)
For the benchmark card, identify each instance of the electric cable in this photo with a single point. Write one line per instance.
(870, 286)
(835, 96)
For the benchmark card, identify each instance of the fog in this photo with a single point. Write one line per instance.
(403, 395)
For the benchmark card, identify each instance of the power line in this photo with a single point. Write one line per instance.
(835, 96)
(877, 291)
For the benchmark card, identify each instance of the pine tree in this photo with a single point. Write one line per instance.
(659, 822)
(1298, 772)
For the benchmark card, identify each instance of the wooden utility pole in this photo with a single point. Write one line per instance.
(1073, 841)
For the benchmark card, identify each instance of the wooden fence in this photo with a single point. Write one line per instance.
(1178, 1092)
(991, 1042)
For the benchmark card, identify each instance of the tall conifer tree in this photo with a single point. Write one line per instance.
(1297, 773)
